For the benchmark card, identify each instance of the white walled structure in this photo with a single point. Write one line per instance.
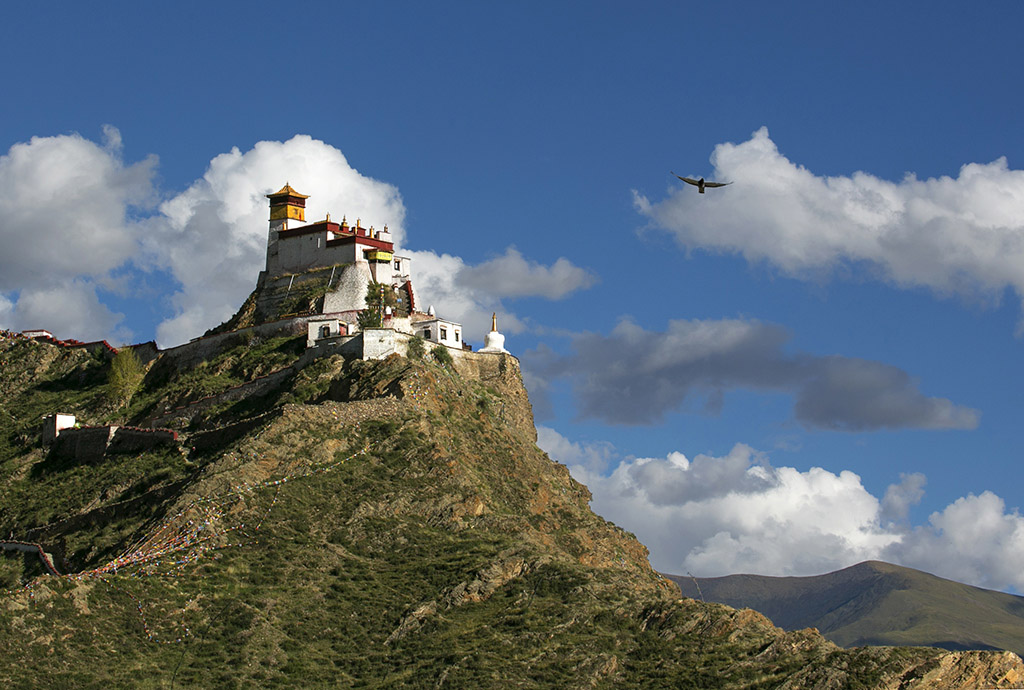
(324, 329)
(357, 256)
(378, 343)
(326, 243)
(439, 331)
(53, 424)
(494, 341)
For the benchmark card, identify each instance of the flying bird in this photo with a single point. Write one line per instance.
(701, 184)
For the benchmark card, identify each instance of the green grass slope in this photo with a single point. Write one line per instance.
(362, 524)
(877, 603)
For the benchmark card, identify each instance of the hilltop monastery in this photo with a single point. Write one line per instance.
(317, 278)
(351, 258)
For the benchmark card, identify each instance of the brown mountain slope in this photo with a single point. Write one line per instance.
(877, 603)
(370, 524)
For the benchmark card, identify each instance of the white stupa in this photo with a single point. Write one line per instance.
(494, 341)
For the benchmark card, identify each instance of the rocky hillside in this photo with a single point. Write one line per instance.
(877, 603)
(371, 524)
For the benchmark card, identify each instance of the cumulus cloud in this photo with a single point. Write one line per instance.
(436, 282)
(511, 275)
(595, 457)
(900, 497)
(635, 376)
(469, 294)
(212, 238)
(975, 539)
(67, 205)
(70, 309)
(75, 213)
(953, 235)
(737, 513)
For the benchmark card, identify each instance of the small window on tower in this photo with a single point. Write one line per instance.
(456, 336)
(398, 265)
(444, 333)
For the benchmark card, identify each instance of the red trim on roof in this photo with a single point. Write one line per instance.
(348, 236)
(73, 344)
(365, 241)
(308, 230)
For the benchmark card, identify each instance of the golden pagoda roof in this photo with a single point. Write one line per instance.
(287, 191)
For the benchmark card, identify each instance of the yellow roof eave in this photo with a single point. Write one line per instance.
(287, 191)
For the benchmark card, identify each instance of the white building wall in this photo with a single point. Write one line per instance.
(310, 251)
(440, 331)
(381, 272)
(348, 289)
(402, 324)
(322, 330)
(401, 269)
(378, 343)
(53, 424)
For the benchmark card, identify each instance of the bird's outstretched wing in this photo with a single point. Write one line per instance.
(716, 184)
(686, 179)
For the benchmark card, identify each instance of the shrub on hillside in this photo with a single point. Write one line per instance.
(416, 349)
(442, 356)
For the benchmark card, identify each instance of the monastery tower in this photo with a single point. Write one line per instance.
(285, 205)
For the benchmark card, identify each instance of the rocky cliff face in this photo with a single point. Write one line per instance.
(363, 523)
(317, 290)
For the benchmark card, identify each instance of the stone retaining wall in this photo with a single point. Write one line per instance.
(90, 444)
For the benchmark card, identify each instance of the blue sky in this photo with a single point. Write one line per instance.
(813, 366)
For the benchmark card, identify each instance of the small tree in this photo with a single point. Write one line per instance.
(416, 349)
(442, 356)
(369, 318)
(126, 374)
(378, 296)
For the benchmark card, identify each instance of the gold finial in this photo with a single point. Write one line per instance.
(494, 322)
(357, 223)
(328, 218)
(385, 227)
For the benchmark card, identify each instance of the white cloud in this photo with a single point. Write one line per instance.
(900, 497)
(436, 282)
(974, 540)
(510, 275)
(635, 376)
(6, 313)
(65, 203)
(68, 206)
(212, 237)
(963, 234)
(716, 516)
(595, 457)
(465, 294)
(70, 310)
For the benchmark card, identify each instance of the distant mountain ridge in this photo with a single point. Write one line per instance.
(876, 603)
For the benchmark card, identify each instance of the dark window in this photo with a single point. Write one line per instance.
(444, 334)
